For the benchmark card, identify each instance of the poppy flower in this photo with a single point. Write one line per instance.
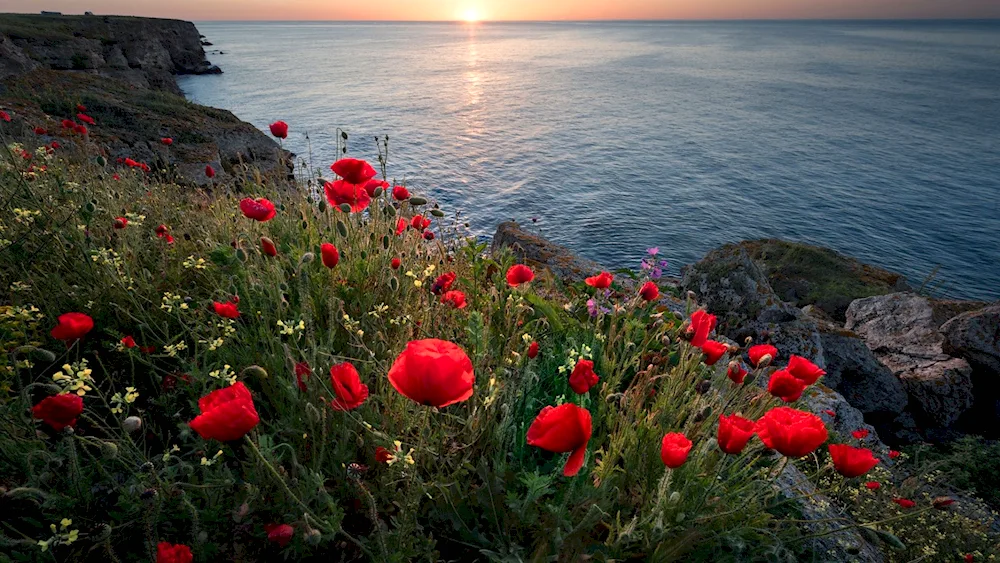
(353, 171)
(804, 370)
(59, 411)
(5, 116)
(583, 377)
(279, 129)
(280, 534)
(873, 485)
(86, 119)
(72, 327)
(81, 107)
(40, 131)
(454, 298)
(969, 558)
(226, 414)
(167, 141)
(330, 255)
(600, 281)
(340, 192)
(128, 342)
(400, 193)
(904, 502)
(702, 325)
(713, 351)
(302, 373)
(171, 553)
(81, 129)
(348, 387)
(850, 461)
(382, 455)
(941, 503)
(161, 231)
(120, 222)
(734, 433)
(229, 309)
(433, 372)
(793, 433)
(518, 274)
(649, 291)
(55, 145)
(831, 413)
(893, 454)
(396, 263)
(428, 235)
(443, 283)
(533, 350)
(371, 185)
(400, 226)
(68, 124)
(758, 352)
(860, 433)
(209, 171)
(674, 449)
(785, 386)
(562, 429)
(260, 209)
(419, 222)
(267, 247)
(736, 372)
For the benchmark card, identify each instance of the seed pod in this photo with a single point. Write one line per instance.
(102, 161)
(305, 225)
(345, 207)
(132, 424)
(342, 228)
(418, 201)
(437, 213)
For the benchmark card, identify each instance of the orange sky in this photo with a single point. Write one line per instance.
(517, 9)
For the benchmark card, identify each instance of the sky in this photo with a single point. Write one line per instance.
(437, 10)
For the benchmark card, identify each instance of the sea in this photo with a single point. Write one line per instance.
(879, 139)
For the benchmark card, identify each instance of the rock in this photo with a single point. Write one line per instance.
(803, 274)
(975, 336)
(534, 250)
(901, 331)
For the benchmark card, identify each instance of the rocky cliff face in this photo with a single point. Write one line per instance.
(143, 52)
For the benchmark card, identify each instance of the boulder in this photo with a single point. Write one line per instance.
(975, 336)
(901, 331)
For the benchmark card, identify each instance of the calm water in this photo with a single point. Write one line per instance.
(881, 140)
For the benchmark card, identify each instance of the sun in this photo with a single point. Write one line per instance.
(471, 16)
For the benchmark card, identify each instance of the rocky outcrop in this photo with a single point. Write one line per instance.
(902, 332)
(143, 52)
(534, 250)
(975, 336)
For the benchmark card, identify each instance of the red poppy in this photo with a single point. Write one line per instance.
(40, 131)
(59, 411)
(72, 327)
(302, 372)
(81, 107)
(518, 274)
(5, 116)
(674, 449)
(280, 534)
(873, 485)
(353, 171)
(229, 310)
(702, 325)
(81, 129)
(260, 209)
(279, 129)
(120, 222)
(533, 350)
(226, 414)
(600, 281)
(419, 222)
(400, 193)
(86, 119)
(433, 372)
(330, 255)
(55, 145)
(400, 226)
(562, 429)
(428, 235)
(382, 455)
(267, 247)
(850, 461)
(161, 231)
(170, 553)
(68, 124)
(758, 352)
(443, 283)
(583, 377)
(734, 433)
(904, 502)
(736, 372)
(341, 192)
(395, 264)
(649, 291)
(969, 558)
(348, 387)
(167, 141)
(791, 432)
(893, 454)
(371, 185)
(831, 413)
(804, 370)
(209, 171)
(169, 239)
(128, 342)
(785, 386)
(713, 351)
(454, 298)
(860, 433)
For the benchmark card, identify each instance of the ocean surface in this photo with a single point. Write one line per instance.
(878, 139)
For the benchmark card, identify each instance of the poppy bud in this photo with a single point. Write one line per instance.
(437, 213)
(240, 513)
(307, 258)
(703, 387)
(132, 424)
(267, 246)
(394, 284)
(241, 255)
(255, 371)
(675, 497)
(385, 242)
(322, 206)
(418, 201)
(312, 537)
(342, 228)
(377, 192)
(313, 414)
(109, 450)
(941, 503)
(345, 207)
(390, 211)
(102, 161)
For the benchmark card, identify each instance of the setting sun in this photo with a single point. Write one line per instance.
(471, 16)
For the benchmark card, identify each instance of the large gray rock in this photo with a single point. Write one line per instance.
(901, 330)
(975, 336)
